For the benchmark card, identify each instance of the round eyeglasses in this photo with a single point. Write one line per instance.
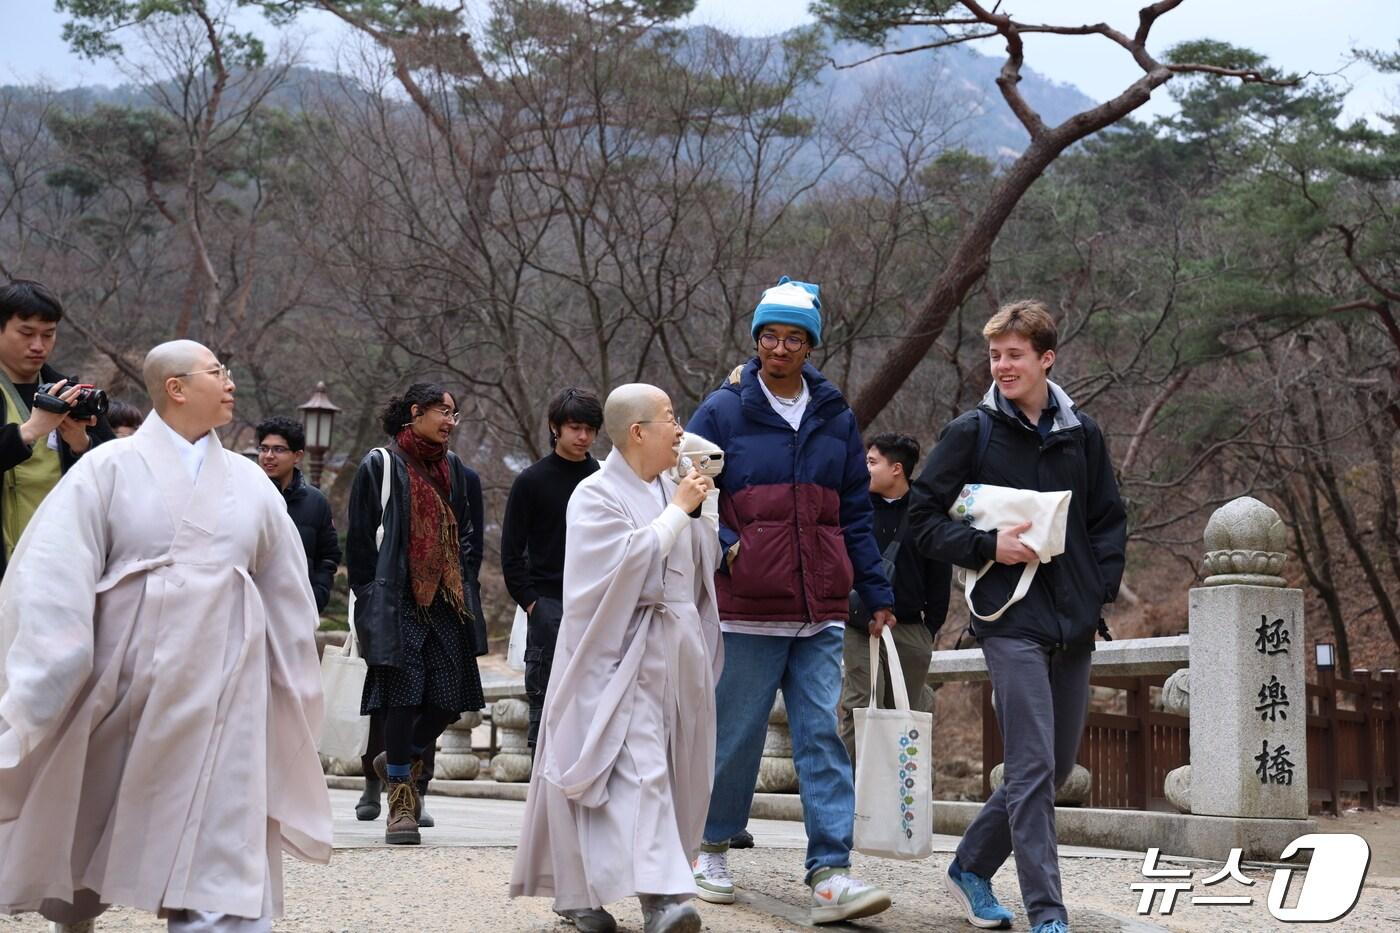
(791, 343)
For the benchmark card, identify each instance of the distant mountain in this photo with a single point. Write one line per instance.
(955, 86)
(301, 86)
(961, 83)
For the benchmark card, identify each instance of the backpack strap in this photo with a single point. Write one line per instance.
(736, 374)
(984, 437)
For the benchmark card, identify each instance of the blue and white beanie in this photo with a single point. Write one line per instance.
(794, 303)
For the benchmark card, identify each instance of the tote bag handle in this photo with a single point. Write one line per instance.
(1022, 587)
(901, 692)
(352, 643)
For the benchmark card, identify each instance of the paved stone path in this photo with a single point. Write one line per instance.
(456, 882)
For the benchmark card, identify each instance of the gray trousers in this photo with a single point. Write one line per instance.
(1041, 700)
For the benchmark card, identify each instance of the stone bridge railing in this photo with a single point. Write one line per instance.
(1244, 652)
(1243, 657)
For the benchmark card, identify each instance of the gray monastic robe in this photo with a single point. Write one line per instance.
(625, 757)
(160, 694)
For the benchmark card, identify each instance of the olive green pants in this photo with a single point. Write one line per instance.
(914, 645)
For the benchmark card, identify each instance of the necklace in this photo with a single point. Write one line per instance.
(785, 400)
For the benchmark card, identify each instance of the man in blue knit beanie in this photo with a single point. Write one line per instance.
(796, 526)
(795, 304)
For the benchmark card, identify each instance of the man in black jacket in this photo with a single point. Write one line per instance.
(281, 446)
(1026, 434)
(36, 446)
(920, 590)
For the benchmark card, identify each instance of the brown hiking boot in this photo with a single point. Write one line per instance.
(420, 786)
(401, 825)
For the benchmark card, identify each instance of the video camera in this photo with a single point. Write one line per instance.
(90, 402)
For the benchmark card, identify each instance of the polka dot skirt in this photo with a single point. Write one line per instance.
(439, 666)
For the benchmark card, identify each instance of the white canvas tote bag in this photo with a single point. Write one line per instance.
(519, 630)
(344, 732)
(894, 786)
(989, 508)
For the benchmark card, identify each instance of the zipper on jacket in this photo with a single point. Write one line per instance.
(797, 525)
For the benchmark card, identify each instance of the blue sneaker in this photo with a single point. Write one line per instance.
(974, 894)
(1051, 926)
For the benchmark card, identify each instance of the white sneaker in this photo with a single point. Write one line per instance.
(712, 879)
(837, 896)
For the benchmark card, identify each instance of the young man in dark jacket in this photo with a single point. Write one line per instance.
(36, 446)
(1026, 434)
(920, 590)
(532, 534)
(281, 446)
(794, 524)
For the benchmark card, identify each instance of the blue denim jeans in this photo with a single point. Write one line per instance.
(809, 671)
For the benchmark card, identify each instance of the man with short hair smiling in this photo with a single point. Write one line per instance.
(36, 446)
(281, 445)
(1026, 434)
(160, 693)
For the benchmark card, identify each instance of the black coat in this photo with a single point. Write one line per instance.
(921, 584)
(14, 451)
(311, 513)
(378, 630)
(1068, 594)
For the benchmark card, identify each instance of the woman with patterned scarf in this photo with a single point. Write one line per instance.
(412, 612)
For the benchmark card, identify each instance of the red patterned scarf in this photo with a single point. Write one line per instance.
(432, 526)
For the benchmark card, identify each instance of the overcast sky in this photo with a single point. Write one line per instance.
(1293, 33)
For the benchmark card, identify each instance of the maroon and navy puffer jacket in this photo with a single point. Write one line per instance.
(797, 503)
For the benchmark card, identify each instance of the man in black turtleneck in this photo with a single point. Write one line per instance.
(532, 534)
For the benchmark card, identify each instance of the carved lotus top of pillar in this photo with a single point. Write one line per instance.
(1245, 542)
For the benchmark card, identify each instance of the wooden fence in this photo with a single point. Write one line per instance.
(1353, 742)
(1354, 739)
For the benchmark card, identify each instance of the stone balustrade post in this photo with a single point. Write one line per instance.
(512, 763)
(776, 772)
(455, 759)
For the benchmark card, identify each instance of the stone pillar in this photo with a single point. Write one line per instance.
(776, 773)
(1176, 698)
(340, 766)
(511, 719)
(455, 760)
(1074, 792)
(1246, 655)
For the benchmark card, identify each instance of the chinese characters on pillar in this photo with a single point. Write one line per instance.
(1273, 763)
(1271, 637)
(1273, 767)
(1273, 700)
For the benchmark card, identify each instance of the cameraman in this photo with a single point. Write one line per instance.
(36, 447)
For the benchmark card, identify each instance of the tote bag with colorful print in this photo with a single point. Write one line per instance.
(990, 508)
(894, 787)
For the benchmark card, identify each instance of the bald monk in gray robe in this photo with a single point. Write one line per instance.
(160, 694)
(625, 757)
